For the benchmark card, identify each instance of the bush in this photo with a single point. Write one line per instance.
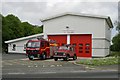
(115, 54)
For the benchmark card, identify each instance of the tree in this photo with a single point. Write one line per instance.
(0, 30)
(13, 28)
(116, 40)
(27, 28)
(37, 29)
(14, 24)
(118, 27)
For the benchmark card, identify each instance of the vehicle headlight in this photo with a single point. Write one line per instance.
(55, 53)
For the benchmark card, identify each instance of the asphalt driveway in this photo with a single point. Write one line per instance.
(17, 65)
(13, 64)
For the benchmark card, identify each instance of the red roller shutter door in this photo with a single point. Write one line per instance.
(61, 39)
(83, 44)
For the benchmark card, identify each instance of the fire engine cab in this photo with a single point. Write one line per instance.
(40, 48)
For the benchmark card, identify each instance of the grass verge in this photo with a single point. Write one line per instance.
(111, 60)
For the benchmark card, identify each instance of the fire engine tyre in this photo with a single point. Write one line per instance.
(55, 59)
(31, 57)
(43, 56)
(67, 58)
(74, 57)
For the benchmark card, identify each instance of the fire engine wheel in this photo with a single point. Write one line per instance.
(55, 59)
(43, 56)
(74, 57)
(31, 57)
(67, 58)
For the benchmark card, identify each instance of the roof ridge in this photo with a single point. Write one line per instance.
(72, 13)
(22, 38)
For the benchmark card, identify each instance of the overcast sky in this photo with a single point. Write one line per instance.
(33, 11)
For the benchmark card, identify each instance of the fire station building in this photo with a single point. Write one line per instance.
(90, 34)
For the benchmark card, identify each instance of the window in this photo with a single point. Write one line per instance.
(80, 48)
(33, 44)
(80, 45)
(74, 44)
(14, 47)
(87, 48)
(25, 46)
(86, 51)
(80, 51)
(47, 44)
(63, 47)
(70, 49)
(87, 44)
(42, 44)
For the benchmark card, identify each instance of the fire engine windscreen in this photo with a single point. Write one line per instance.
(33, 44)
(63, 47)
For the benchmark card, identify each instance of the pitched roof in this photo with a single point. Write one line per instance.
(107, 18)
(23, 38)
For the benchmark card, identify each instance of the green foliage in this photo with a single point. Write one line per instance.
(37, 29)
(100, 61)
(116, 43)
(29, 29)
(13, 28)
(0, 20)
(0, 30)
(118, 27)
(111, 60)
(116, 40)
(115, 54)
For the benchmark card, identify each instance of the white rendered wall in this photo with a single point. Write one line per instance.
(19, 46)
(99, 52)
(83, 25)
(100, 47)
(108, 37)
(107, 31)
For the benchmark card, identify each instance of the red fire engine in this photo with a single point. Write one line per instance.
(40, 48)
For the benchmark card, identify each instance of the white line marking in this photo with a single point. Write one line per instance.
(24, 59)
(52, 65)
(6, 63)
(23, 64)
(50, 72)
(109, 70)
(86, 67)
(16, 73)
(57, 65)
(29, 66)
(9, 64)
(60, 65)
(43, 66)
(78, 71)
(92, 68)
